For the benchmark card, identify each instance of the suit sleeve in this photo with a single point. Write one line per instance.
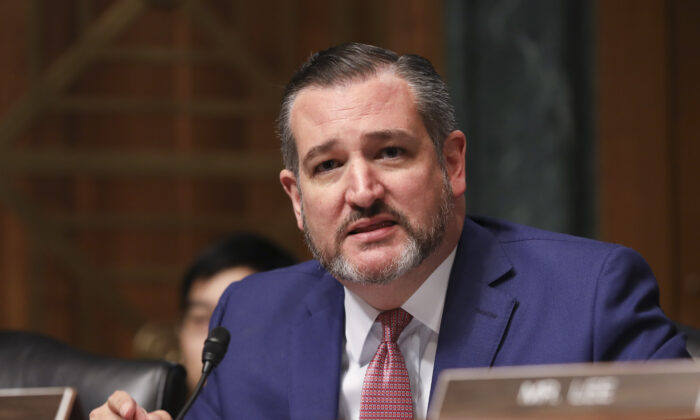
(629, 323)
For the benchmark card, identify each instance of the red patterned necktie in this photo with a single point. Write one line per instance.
(386, 391)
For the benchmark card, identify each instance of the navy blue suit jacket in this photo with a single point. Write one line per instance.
(516, 296)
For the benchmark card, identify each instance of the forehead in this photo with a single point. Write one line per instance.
(382, 102)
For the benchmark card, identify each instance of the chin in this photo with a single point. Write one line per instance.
(374, 264)
(374, 252)
(377, 273)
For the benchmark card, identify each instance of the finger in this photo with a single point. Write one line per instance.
(121, 403)
(103, 412)
(140, 414)
(159, 415)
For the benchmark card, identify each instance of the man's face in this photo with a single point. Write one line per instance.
(370, 195)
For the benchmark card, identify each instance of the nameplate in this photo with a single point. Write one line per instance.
(648, 390)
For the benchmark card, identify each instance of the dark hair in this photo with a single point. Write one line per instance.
(353, 61)
(243, 249)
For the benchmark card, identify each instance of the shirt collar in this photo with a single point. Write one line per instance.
(426, 305)
(427, 302)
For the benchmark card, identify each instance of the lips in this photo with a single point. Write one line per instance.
(370, 226)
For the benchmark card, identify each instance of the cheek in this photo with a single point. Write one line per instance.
(322, 210)
(417, 196)
(192, 340)
(414, 188)
(193, 332)
(191, 345)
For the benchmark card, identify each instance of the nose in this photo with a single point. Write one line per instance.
(364, 187)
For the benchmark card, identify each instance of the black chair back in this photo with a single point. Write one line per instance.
(693, 339)
(34, 360)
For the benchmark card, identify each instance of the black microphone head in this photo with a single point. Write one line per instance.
(215, 346)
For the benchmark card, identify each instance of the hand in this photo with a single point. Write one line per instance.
(120, 405)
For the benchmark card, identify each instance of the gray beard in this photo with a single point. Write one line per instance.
(421, 243)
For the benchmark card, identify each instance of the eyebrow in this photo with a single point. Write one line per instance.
(320, 149)
(388, 134)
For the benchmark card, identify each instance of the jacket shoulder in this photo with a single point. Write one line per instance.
(287, 283)
(509, 232)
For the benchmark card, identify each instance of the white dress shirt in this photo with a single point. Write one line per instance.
(417, 342)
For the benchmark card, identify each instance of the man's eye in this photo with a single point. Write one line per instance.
(391, 152)
(197, 320)
(326, 165)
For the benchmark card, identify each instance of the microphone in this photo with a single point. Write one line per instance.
(215, 347)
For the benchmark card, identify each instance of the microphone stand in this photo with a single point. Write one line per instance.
(215, 347)
(197, 390)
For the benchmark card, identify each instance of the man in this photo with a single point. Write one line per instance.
(375, 170)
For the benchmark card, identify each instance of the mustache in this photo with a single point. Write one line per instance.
(378, 207)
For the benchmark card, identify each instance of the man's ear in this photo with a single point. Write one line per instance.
(454, 151)
(289, 183)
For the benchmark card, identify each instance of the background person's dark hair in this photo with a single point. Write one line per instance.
(353, 61)
(239, 250)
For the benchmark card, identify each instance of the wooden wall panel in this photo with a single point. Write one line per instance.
(648, 89)
(160, 143)
(14, 258)
(414, 30)
(633, 112)
(686, 119)
(14, 289)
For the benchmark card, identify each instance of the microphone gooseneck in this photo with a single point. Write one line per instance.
(215, 347)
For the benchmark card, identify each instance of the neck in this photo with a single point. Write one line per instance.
(396, 292)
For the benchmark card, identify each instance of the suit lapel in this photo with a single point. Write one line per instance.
(474, 321)
(316, 359)
(476, 314)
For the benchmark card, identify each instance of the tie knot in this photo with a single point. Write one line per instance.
(393, 322)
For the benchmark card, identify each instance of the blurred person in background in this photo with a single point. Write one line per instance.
(208, 275)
